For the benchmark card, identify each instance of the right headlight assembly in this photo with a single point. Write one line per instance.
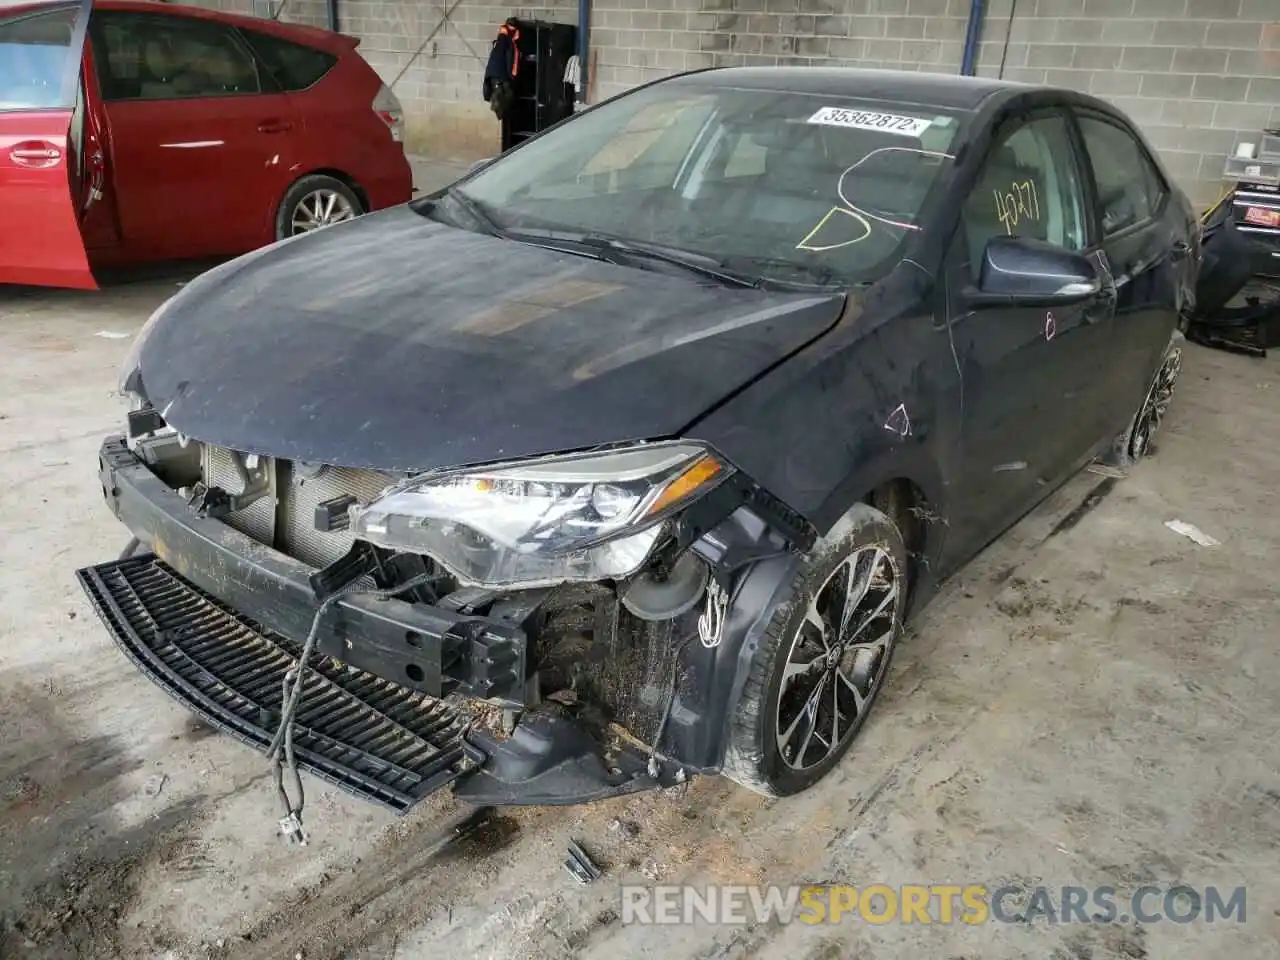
(581, 517)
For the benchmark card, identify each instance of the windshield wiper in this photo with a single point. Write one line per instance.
(601, 245)
(813, 273)
(677, 258)
(476, 211)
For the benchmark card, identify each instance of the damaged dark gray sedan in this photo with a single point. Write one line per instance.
(625, 458)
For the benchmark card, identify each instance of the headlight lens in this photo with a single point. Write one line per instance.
(582, 517)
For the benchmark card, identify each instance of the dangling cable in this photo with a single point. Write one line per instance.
(281, 752)
(1008, 31)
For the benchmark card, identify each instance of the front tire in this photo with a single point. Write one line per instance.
(313, 202)
(822, 659)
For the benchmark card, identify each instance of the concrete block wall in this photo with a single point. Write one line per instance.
(1196, 74)
(312, 12)
(437, 65)
(635, 44)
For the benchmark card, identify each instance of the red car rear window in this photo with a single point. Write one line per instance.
(294, 66)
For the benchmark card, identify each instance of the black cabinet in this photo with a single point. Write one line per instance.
(542, 98)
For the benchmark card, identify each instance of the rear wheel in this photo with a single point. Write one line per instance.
(313, 202)
(823, 658)
(1136, 442)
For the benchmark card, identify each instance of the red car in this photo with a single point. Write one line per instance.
(133, 131)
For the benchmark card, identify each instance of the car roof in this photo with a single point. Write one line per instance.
(303, 33)
(944, 90)
(325, 39)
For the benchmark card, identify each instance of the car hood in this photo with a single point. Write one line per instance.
(401, 344)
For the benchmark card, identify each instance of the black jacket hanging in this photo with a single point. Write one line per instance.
(503, 65)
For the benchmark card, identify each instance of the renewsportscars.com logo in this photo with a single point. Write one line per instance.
(929, 904)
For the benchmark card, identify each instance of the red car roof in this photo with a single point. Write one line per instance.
(315, 36)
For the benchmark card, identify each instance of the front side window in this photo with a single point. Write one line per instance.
(1029, 187)
(772, 182)
(33, 59)
(1130, 189)
(150, 57)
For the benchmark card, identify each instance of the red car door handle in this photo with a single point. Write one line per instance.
(274, 126)
(35, 154)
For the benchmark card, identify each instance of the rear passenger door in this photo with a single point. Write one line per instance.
(199, 134)
(1145, 251)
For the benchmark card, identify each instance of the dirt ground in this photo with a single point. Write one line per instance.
(1096, 700)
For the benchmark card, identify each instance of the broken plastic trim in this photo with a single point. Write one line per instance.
(375, 740)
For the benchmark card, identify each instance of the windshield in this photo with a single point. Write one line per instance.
(778, 184)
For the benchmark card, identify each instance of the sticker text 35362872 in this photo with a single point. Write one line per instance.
(871, 120)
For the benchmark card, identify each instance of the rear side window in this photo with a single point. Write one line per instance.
(294, 66)
(159, 57)
(1130, 188)
(33, 59)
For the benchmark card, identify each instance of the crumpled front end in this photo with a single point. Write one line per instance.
(558, 693)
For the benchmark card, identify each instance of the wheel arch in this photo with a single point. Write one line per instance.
(346, 178)
(904, 502)
(778, 591)
(906, 484)
(341, 176)
(713, 680)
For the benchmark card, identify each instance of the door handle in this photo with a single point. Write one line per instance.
(1101, 308)
(274, 126)
(1180, 250)
(37, 155)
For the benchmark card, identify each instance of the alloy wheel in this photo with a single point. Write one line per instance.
(320, 208)
(838, 657)
(1155, 405)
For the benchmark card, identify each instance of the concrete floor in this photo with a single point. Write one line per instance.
(430, 174)
(1095, 705)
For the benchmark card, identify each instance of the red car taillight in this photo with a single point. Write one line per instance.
(387, 106)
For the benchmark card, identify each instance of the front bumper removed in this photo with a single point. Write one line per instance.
(216, 619)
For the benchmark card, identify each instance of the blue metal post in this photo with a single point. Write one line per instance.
(971, 37)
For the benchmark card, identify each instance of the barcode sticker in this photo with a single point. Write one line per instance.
(870, 120)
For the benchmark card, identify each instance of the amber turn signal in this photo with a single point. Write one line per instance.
(702, 473)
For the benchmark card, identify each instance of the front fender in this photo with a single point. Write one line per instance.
(917, 464)
(876, 399)
(710, 679)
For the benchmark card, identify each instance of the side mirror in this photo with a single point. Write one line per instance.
(1035, 273)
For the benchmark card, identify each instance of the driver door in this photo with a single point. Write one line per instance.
(1035, 378)
(41, 52)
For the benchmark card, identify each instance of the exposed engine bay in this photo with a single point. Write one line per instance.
(559, 692)
(575, 629)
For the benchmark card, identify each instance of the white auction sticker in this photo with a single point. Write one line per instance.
(870, 120)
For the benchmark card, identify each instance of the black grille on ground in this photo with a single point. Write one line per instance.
(364, 734)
